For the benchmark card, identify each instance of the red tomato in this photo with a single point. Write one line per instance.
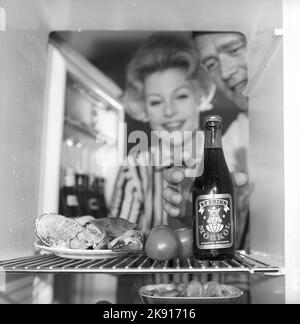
(185, 236)
(162, 243)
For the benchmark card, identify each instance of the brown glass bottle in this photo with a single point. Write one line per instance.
(82, 187)
(97, 203)
(213, 200)
(69, 201)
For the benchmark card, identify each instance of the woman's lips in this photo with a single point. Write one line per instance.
(173, 126)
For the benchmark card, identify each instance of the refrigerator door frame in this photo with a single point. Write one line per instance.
(63, 60)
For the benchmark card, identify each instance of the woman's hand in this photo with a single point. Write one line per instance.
(173, 198)
(180, 179)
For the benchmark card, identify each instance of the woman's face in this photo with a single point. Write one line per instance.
(172, 102)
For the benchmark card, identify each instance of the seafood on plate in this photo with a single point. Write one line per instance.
(131, 241)
(87, 232)
(58, 231)
(115, 227)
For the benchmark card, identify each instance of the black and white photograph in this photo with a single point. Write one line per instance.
(149, 154)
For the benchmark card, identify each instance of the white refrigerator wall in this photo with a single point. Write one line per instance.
(23, 60)
(291, 64)
(267, 173)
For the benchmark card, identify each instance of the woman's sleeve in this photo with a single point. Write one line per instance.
(127, 199)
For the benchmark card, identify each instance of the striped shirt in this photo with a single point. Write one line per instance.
(138, 193)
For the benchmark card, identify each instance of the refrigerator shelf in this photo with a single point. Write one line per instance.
(135, 264)
(85, 129)
(99, 137)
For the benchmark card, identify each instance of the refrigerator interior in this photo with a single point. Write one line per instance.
(271, 29)
(91, 144)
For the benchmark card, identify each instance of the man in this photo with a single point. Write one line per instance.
(224, 56)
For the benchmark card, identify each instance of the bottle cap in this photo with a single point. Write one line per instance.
(213, 118)
(213, 121)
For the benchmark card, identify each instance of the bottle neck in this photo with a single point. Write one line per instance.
(213, 138)
(82, 180)
(213, 151)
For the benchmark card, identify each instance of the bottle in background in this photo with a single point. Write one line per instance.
(69, 202)
(82, 189)
(213, 200)
(97, 204)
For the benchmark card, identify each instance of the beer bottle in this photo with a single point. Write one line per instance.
(69, 202)
(97, 204)
(82, 187)
(213, 200)
(101, 189)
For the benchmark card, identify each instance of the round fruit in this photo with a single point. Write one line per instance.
(185, 236)
(162, 243)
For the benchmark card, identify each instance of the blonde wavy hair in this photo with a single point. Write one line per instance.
(157, 53)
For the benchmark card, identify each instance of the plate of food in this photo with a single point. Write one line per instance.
(193, 292)
(86, 237)
(80, 254)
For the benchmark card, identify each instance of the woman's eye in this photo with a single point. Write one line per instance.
(182, 96)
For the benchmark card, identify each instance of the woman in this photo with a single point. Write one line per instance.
(166, 86)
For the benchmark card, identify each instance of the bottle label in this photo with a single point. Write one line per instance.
(214, 221)
(72, 201)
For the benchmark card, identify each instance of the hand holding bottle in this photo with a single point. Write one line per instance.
(179, 180)
(173, 198)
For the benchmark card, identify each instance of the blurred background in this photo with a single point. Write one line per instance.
(111, 51)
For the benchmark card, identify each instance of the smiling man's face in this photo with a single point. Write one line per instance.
(224, 55)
